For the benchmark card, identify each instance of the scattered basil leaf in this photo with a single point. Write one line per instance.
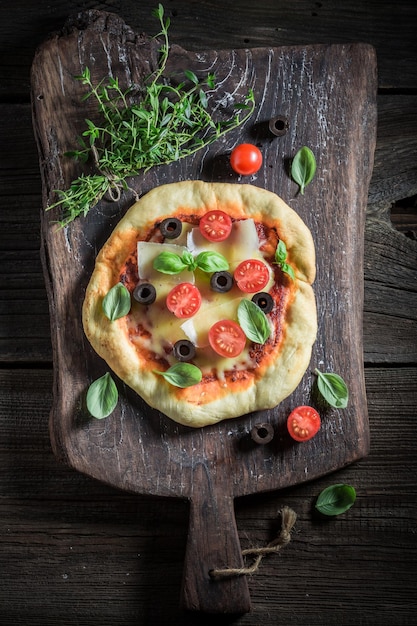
(336, 499)
(333, 389)
(280, 259)
(116, 302)
(303, 168)
(211, 261)
(102, 396)
(182, 375)
(169, 263)
(253, 321)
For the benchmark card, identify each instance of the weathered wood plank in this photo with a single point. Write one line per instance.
(404, 217)
(20, 267)
(345, 154)
(390, 304)
(395, 166)
(74, 551)
(218, 25)
(109, 557)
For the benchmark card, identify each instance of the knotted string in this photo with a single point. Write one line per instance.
(115, 186)
(288, 519)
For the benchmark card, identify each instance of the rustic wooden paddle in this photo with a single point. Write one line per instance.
(324, 97)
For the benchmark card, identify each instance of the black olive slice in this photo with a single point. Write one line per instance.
(144, 293)
(221, 282)
(171, 227)
(184, 350)
(264, 301)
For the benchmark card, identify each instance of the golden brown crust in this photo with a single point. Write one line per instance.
(281, 364)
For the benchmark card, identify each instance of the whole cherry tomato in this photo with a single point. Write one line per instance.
(246, 159)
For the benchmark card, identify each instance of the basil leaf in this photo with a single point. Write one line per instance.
(189, 260)
(333, 389)
(280, 258)
(281, 252)
(116, 302)
(169, 263)
(253, 321)
(336, 499)
(303, 168)
(210, 261)
(182, 375)
(102, 396)
(287, 269)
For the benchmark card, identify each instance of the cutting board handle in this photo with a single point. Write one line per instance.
(213, 543)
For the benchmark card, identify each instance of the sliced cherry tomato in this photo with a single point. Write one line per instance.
(246, 159)
(303, 423)
(251, 275)
(184, 300)
(227, 338)
(215, 225)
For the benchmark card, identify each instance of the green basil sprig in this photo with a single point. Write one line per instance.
(336, 499)
(169, 263)
(281, 258)
(207, 261)
(253, 321)
(116, 302)
(182, 375)
(303, 168)
(102, 396)
(210, 261)
(333, 389)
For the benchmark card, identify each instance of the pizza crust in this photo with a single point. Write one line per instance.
(277, 375)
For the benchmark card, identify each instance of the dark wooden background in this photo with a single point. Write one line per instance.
(75, 552)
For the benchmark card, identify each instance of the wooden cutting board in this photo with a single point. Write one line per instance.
(326, 95)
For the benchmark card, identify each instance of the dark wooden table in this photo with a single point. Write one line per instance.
(75, 552)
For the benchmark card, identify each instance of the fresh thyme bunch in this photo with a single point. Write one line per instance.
(168, 123)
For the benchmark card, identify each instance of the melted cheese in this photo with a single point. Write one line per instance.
(197, 327)
(147, 253)
(241, 244)
(164, 329)
(163, 283)
(181, 240)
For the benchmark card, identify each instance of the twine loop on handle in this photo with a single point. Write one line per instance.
(288, 519)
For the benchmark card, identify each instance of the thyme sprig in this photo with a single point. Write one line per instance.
(168, 122)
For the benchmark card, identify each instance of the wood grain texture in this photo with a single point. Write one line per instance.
(106, 556)
(214, 24)
(21, 340)
(211, 466)
(74, 551)
(390, 311)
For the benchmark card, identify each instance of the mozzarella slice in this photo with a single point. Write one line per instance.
(181, 240)
(147, 253)
(197, 327)
(241, 244)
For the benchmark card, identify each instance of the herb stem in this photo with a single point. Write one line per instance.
(170, 122)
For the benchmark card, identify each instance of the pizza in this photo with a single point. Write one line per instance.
(221, 315)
